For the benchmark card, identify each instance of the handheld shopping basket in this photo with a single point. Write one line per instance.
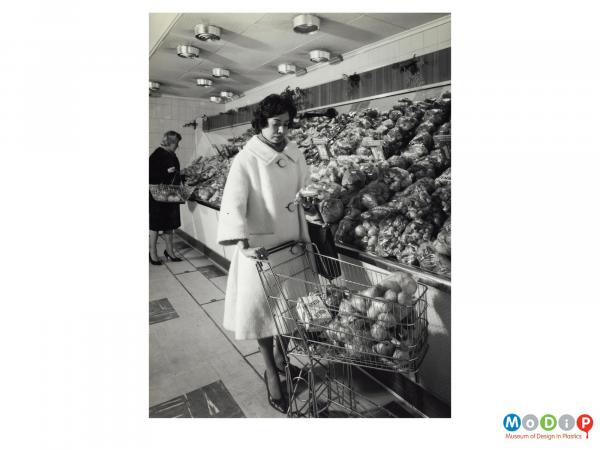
(330, 326)
(171, 193)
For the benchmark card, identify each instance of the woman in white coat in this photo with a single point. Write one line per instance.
(257, 212)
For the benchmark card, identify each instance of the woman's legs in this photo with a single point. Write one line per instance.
(153, 241)
(169, 242)
(266, 349)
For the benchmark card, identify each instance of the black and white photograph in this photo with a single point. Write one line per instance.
(300, 215)
(229, 225)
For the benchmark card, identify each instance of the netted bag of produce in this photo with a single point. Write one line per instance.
(431, 260)
(370, 170)
(345, 231)
(443, 130)
(415, 204)
(398, 161)
(353, 179)
(439, 160)
(414, 152)
(423, 138)
(422, 183)
(408, 254)
(387, 239)
(445, 179)
(416, 232)
(332, 210)
(381, 212)
(427, 126)
(313, 312)
(434, 115)
(422, 168)
(442, 243)
(397, 179)
(406, 124)
(442, 198)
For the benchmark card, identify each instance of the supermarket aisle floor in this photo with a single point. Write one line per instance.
(197, 369)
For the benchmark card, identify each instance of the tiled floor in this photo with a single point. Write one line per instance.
(197, 369)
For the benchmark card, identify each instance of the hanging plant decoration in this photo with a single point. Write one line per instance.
(413, 68)
(297, 96)
(193, 124)
(353, 82)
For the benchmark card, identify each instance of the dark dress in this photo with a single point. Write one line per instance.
(164, 216)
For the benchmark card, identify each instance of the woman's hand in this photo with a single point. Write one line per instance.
(259, 253)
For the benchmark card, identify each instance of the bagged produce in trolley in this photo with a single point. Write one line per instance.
(313, 312)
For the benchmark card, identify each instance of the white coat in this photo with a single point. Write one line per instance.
(258, 205)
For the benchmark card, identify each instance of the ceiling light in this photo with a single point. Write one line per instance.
(227, 94)
(206, 32)
(220, 73)
(188, 51)
(306, 24)
(154, 85)
(319, 55)
(204, 82)
(336, 59)
(286, 69)
(216, 99)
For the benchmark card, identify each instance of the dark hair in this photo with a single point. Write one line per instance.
(272, 106)
(170, 136)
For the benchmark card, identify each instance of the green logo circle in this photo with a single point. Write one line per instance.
(548, 422)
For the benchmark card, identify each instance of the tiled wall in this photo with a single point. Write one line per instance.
(171, 113)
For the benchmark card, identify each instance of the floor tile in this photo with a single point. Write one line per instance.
(177, 407)
(165, 286)
(215, 311)
(180, 267)
(211, 271)
(213, 400)
(256, 360)
(161, 310)
(221, 282)
(199, 261)
(199, 286)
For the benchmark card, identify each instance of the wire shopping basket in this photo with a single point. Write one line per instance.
(340, 320)
(171, 193)
(333, 325)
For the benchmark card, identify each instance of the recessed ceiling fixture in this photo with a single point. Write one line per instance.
(306, 24)
(319, 56)
(206, 32)
(216, 99)
(227, 94)
(154, 85)
(218, 72)
(286, 69)
(204, 82)
(188, 51)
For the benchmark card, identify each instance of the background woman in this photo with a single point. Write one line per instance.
(164, 169)
(258, 212)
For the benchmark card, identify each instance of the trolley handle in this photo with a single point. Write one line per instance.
(288, 244)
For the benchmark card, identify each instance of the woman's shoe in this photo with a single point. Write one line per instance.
(174, 259)
(154, 263)
(279, 404)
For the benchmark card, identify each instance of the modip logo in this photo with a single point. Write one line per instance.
(525, 427)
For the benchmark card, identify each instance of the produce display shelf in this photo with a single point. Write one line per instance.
(434, 280)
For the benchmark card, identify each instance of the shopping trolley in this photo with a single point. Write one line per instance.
(329, 326)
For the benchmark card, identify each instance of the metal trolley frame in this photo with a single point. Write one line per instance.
(353, 328)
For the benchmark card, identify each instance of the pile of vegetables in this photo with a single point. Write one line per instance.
(395, 207)
(379, 324)
(208, 176)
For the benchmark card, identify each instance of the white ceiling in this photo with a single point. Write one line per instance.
(253, 44)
